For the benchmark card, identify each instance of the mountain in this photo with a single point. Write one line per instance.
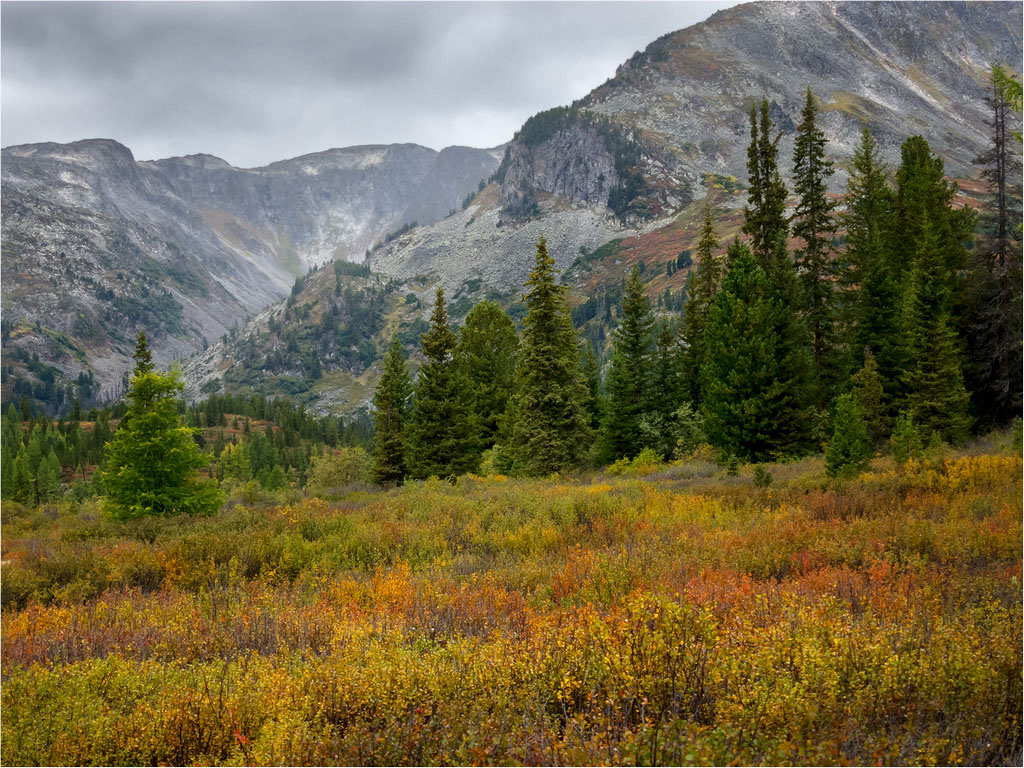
(97, 245)
(616, 179)
(627, 159)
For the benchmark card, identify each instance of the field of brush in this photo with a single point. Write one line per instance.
(664, 615)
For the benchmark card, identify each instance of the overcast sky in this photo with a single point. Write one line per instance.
(258, 82)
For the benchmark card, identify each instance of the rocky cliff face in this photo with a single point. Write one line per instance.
(97, 245)
(633, 154)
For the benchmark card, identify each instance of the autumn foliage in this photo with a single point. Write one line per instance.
(673, 616)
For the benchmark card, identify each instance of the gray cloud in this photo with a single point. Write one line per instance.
(257, 82)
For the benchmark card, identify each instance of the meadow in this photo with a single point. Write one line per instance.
(667, 614)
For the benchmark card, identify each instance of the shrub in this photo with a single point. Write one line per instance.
(333, 471)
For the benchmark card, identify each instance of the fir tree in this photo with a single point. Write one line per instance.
(924, 199)
(143, 355)
(936, 398)
(754, 381)
(812, 222)
(391, 417)
(551, 430)
(701, 290)
(592, 376)
(994, 281)
(488, 348)
(441, 440)
(849, 450)
(152, 459)
(629, 393)
(658, 424)
(869, 394)
(765, 213)
(870, 287)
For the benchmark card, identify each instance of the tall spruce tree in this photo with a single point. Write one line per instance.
(870, 287)
(441, 435)
(812, 222)
(994, 277)
(391, 417)
(488, 349)
(551, 430)
(765, 213)
(936, 398)
(629, 393)
(701, 290)
(924, 199)
(754, 380)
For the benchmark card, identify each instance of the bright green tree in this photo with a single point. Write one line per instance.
(701, 290)
(551, 429)
(391, 417)
(441, 436)
(755, 383)
(629, 392)
(849, 450)
(152, 459)
(488, 349)
(812, 222)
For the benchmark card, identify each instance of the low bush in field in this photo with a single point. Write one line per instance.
(673, 617)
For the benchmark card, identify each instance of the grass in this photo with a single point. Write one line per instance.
(666, 615)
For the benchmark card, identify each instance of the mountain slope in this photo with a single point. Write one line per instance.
(97, 245)
(629, 157)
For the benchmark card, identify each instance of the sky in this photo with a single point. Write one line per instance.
(257, 82)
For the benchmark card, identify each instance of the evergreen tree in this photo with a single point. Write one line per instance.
(812, 222)
(441, 441)
(22, 482)
(592, 376)
(488, 348)
(849, 450)
(754, 381)
(629, 392)
(994, 281)
(765, 213)
(658, 428)
(936, 397)
(869, 395)
(143, 355)
(551, 430)
(701, 290)
(870, 287)
(151, 461)
(391, 417)
(924, 201)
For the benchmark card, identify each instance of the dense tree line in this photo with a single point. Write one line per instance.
(907, 331)
(911, 331)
